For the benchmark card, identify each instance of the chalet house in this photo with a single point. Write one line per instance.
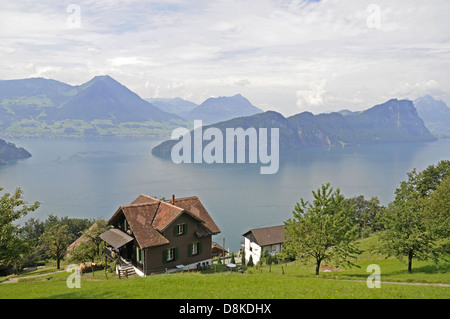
(155, 236)
(218, 250)
(268, 239)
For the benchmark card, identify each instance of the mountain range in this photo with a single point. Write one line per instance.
(102, 106)
(39, 107)
(212, 110)
(395, 121)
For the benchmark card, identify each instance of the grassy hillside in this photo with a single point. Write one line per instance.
(286, 281)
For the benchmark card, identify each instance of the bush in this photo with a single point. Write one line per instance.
(250, 261)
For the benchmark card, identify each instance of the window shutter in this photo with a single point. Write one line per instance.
(189, 250)
(164, 255)
(176, 254)
(200, 248)
(185, 230)
(175, 231)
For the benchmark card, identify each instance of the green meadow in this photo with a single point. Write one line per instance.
(293, 280)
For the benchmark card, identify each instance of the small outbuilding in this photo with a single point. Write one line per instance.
(268, 239)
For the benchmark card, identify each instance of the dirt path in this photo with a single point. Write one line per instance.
(13, 280)
(16, 280)
(437, 284)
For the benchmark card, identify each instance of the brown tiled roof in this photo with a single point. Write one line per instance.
(195, 207)
(217, 246)
(144, 199)
(267, 235)
(148, 217)
(166, 215)
(140, 218)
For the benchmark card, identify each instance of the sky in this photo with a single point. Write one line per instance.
(284, 55)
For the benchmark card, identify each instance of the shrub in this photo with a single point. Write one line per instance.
(250, 261)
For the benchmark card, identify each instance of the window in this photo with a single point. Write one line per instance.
(180, 229)
(171, 254)
(194, 249)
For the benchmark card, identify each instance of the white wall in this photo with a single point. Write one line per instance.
(255, 250)
(252, 249)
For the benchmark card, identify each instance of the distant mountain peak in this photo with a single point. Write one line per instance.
(218, 109)
(103, 79)
(105, 98)
(239, 96)
(427, 97)
(435, 113)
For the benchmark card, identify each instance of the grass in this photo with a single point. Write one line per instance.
(285, 281)
(258, 284)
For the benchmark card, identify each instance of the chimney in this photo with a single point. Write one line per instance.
(173, 199)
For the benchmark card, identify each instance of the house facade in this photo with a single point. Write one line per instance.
(267, 239)
(156, 236)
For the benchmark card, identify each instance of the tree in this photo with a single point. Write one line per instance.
(32, 230)
(430, 178)
(415, 220)
(262, 258)
(438, 209)
(56, 239)
(77, 225)
(250, 261)
(366, 214)
(12, 207)
(30, 233)
(406, 233)
(323, 230)
(92, 247)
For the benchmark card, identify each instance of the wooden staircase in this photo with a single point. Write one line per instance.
(126, 270)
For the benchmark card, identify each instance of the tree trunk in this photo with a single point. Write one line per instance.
(58, 260)
(318, 266)
(410, 258)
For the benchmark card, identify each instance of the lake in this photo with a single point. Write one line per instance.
(91, 178)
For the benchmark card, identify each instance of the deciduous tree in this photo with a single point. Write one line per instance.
(416, 219)
(322, 230)
(56, 238)
(12, 207)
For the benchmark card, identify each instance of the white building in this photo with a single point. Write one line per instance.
(268, 239)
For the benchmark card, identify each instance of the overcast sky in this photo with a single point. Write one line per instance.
(284, 55)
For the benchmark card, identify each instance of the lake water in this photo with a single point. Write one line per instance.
(91, 178)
